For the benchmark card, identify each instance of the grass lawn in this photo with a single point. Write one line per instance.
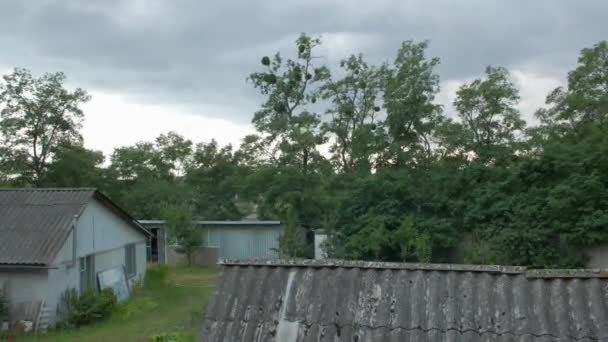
(175, 304)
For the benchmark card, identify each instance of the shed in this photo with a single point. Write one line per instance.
(335, 300)
(246, 239)
(52, 240)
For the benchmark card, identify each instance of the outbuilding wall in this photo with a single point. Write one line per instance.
(25, 289)
(101, 233)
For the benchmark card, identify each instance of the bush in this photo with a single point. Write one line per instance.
(177, 337)
(89, 307)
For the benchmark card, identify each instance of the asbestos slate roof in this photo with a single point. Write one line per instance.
(34, 223)
(288, 301)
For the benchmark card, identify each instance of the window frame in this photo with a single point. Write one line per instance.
(130, 260)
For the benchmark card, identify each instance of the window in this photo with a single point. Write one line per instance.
(130, 264)
(87, 273)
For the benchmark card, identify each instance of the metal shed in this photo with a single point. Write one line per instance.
(247, 239)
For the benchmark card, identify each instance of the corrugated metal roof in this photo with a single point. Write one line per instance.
(288, 301)
(34, 223)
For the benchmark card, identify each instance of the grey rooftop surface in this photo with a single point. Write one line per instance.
(337, 300)
(34, 223)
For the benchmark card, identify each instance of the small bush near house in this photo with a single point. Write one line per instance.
(176, 337)
(78, 310)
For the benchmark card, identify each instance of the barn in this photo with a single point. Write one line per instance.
(52, 240)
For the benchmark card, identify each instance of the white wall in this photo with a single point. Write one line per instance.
(109, 259)
(100, 232)
(24, 285)
(62, 277)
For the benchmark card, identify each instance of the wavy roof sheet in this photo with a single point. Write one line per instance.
(34, 223)
(291, 301)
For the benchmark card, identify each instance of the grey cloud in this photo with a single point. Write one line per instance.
(198, 53)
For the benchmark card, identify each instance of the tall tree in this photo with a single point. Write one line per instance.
(289, 132)
(490, 120)
(37, 115)
(409, 92)
(586, 98)
(354, 109)
(285, 119)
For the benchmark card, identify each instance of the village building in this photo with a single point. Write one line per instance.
(52, 240)
(244, 239)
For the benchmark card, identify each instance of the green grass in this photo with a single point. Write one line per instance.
(171, 300)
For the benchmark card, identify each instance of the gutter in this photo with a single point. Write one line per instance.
(32, 267)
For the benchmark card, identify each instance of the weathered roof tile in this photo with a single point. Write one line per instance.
(34, 223)
(292, 301)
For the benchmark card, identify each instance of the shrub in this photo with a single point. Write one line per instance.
(89, 307)
(176, 337)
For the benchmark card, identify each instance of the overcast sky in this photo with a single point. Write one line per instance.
(153, 66)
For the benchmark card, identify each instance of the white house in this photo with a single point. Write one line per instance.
(52, 240)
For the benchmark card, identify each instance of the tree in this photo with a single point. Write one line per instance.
(75, 166)
(37, 115)
(213, 177)
(353, 113)
(292, 243)
(148, 174)
(411, 115)
(586, 98)
(182, 230)
(289, 133)
(174, 150)
(490, 120)
(288, 126)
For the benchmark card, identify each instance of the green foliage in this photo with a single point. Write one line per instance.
(292, 243)
(213, 177)
(89, 307)
(413, 244)
(353, 111)
(490, 120)
(37, 115)
(410, 88)
(586, 99)
(398, 179)
(75, 166)
(182, 230)
(171, 337)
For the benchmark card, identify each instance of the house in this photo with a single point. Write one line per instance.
(52, 240)
(244, 239)
(333, 300)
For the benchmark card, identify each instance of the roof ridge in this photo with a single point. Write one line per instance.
(335, 263)
(373, 265)
(49, 189)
